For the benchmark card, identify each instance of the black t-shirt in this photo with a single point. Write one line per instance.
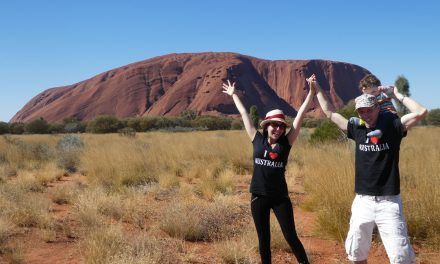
(377, 159)
(269, 166)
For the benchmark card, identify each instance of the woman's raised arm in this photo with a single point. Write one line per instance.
(294, 131)
(229, 89)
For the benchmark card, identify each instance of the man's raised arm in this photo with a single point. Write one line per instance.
(417, 111)
(336, 118)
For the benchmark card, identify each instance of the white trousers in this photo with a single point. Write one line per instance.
(387, 213)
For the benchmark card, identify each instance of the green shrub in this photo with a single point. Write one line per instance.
(212, 123)
(16, 128)
(348, 110)
(165, 122)
(4, 128)
(237, 124)
(253, 113)
(75, 127)
(104, 124)
(188, 114)
(134, 123)
(311, 122)
(433, 117)
(55, 128)
(326, 131)
(147, 123)
(37, 126)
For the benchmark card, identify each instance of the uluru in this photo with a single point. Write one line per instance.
(169, 84)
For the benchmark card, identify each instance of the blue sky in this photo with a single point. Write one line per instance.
(46, 44)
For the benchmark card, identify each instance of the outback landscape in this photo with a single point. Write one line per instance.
(172, 185)
(122, 137)
(161, 197)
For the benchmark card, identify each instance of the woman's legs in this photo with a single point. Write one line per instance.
(284, 212)
(260, 207)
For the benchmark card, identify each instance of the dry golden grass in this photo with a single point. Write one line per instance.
(420, 178)
(13, 254)
(199, 220)
(7, 229)
(27, 152)
(65, 194)
(22, 206)
(185, 185)
(241, 250)
(207, 159)
(110, 244)
(93, 205)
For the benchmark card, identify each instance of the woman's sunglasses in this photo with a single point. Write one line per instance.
(277, 125)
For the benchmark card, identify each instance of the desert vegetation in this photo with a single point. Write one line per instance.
(182, 197)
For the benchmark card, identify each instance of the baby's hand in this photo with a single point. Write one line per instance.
(387, 89)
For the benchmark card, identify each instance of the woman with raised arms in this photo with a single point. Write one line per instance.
(268, 185)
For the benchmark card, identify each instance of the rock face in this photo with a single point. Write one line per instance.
(169, 84)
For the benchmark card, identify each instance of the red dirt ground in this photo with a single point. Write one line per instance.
(64, 248)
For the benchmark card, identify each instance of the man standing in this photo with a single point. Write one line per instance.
(377, 179)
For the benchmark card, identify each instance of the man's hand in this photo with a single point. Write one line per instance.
(312, 83)
(311, 79)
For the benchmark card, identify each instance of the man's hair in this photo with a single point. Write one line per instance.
(369, 81)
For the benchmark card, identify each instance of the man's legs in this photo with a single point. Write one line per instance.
(359, 236)
(393, 232)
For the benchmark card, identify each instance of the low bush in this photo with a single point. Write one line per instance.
(104, 124)
(326, 131)
(134, 123)
(433, 117)
(75, 127)
(69, 149)
(4, 128)
(37, 126)
(55, 128)
(147, 123)
(237, 124)
(311, 122)
(16, 128)
(212, 123)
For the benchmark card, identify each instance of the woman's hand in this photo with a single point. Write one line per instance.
(311, 79)
(312, 83)
(229, 88)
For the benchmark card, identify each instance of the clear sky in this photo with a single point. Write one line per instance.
(49, 43)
